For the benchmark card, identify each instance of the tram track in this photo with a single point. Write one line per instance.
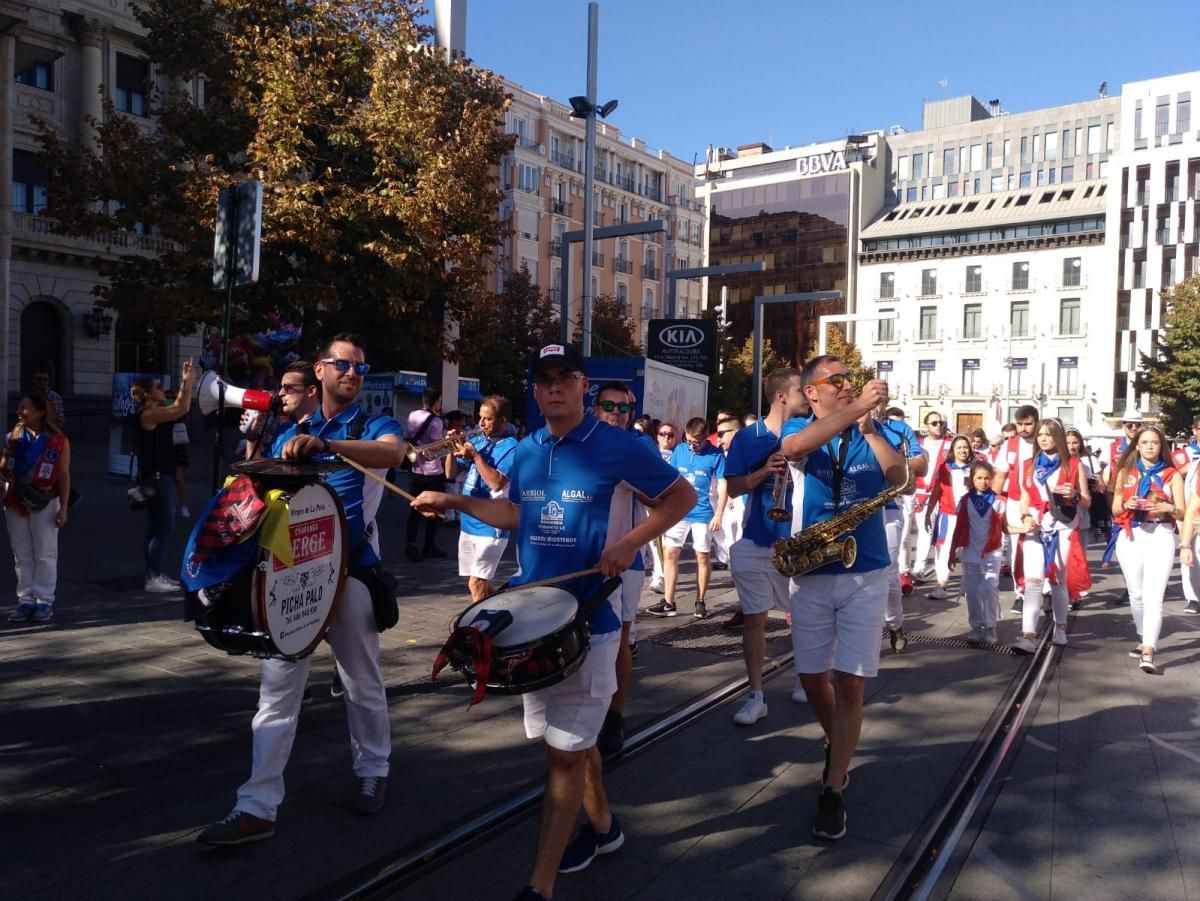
(928, 863)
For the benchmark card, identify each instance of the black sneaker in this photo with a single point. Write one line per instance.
(737, 621)
(897, 639)
(336, 688)
(434, 553)
(372, 790)
(1122, 601)
(238, 828)
(831, 815)
(308, 697)
(612, 734)
(1018, 605)
(412, 552)
(1192, 607)
(825, 772)
(633, 646)
(529, 893)
(718, 565)
(662, 608)
(588, 843)
(701, 611)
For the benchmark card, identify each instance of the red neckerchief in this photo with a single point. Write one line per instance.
(481, 651)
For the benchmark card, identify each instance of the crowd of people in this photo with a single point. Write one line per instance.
(596, 497)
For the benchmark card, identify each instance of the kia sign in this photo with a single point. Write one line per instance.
(687, 343)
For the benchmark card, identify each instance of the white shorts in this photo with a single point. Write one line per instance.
(479, 556)
(632, 581)
(837, 621)
(677, 536)
(569, 715)
(760, 586)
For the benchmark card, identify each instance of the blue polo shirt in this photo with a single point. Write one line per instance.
(574, 492)
(702, 468)
(863, 479)
(360, 502)
(499, 455)
(748, 451)
(897, 431)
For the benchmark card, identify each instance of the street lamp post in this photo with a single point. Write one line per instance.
(759, 302)
(585, 108)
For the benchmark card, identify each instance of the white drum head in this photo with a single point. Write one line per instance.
(298, 602)
(536, 612)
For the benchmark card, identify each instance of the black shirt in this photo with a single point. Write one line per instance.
(155, 449)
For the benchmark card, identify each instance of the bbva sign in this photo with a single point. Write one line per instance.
(817, 163)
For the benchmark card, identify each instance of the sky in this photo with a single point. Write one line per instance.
(689, 73)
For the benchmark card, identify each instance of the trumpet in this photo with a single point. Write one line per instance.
(778, 512)
(441, 448)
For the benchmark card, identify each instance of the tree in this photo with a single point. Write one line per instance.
(613, 332)
(377, 157)
(1171, 374)
(837, 345)
(499, 340)
(733, 388)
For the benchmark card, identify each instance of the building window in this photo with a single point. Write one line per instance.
(887, 328)
(1068, 375)
(987, 156)
(903, 169)
(1183, 116)
(887, 284)
(970, 369)
(132, 77)
(1025, 178)
(623, 298)
(973, 320)
(1072, 272)
(1007, 151)
(976, 157)
(1079, 142)
(910, 195)
(1037, 148)
(1093, 140)
(939, 191)
(948, 162)
(885, 374)
(527, 178)
(648, 304)
(1068, 174)
(925, 373)
(928, 324)
(1162, 115)
(1066, 415)
(1018, 319)
(918, 165)
(974, 283)
(1020, 276)
(997, 183)
(1016, 375)
(1068, 316)
(30, 177)
(1051, 146)
(38, 75)
(1139, 273)
(928, 282)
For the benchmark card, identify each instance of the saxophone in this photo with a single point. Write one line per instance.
(817, 545)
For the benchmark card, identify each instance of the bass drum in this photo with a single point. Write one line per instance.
(273, 610)
(538, 639)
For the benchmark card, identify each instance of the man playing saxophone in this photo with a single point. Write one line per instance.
(839, 461)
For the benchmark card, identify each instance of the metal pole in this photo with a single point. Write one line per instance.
(231, 275)
(756, 379)
(669, 312)
(564, 290)
(589, 154)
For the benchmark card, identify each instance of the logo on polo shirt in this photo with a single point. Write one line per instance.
(533, 494)
(575, 496)
(551, 519)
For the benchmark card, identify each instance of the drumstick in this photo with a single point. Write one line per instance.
(382, 481)
(553, 580)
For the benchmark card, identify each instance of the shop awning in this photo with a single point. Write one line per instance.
(468, 389)
(412, 382)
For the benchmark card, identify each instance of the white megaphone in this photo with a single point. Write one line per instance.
(211, 387)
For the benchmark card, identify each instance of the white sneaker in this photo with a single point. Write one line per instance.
(1024, 645)
(975, 636)
(657, 586)
(158, 584)
(940, 594)
(1060, 637)
(799, 695)
(989, 636)
(753, 710)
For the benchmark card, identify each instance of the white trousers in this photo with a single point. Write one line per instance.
(893, 528)
(981, 582)
(1146, 561)
(941, 560)
(731, 530)
(907, 512)
(1034, 557)
(355, 644)
(34, 540)
(1191, 574)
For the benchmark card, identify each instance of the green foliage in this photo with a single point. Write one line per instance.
(377, 158)
(1172, 373)
(837, 345)
(733, 387)
(498, 342)
(613, 333)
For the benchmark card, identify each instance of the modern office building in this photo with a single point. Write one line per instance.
(988, 266)
(543, 182)
(1153, 207)
(799, 211)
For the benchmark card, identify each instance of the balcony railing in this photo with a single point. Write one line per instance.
(620, 265)
(971, 334)
(649, 270)
(560, 207)
(928, 336)
(647, 311)
(115, 241)
(624, 181)
(565, 160)
(597, 259)
(1078, 332)
(1163, 236)
(555, 248)
(653, 193)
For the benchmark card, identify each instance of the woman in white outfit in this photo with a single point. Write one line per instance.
(1147, 502)
(1054, 489)
(941, 513)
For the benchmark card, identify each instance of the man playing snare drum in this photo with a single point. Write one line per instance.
(571, 487)
(339, 427)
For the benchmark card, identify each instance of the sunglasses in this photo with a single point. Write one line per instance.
(545, 380)
(666, 434)
(291, 389)
(343, 366)
(722, 434)
(609, 405)
(838, 380)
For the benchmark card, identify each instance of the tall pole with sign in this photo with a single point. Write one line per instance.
(236, 245)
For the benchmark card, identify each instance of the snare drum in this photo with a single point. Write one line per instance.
(271, 609)
(537, 639)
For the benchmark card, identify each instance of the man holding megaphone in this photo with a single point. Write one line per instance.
(298, 397)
